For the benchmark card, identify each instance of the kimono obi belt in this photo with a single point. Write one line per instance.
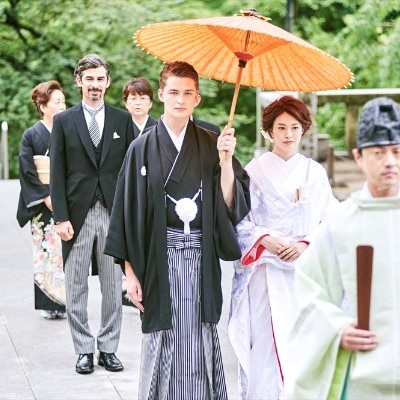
(178, 240)
(42, 164)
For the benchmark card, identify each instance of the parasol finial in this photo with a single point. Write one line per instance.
(252, 12)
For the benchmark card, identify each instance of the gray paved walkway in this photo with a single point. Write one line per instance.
(37, 360)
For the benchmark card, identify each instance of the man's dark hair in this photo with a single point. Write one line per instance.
(180, 69)
(138, 86)
(91, 61)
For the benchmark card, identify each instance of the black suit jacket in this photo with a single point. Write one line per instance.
(35, 141)
(150, 122)
(207, 125)
(74, 173)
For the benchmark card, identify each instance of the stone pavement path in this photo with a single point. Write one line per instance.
(37, 360)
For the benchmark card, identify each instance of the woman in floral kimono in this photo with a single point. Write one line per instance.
(35, 204)
(290, 195)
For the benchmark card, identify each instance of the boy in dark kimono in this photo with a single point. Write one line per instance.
(173, 218)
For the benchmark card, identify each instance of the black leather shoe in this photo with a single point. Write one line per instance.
(110, 362)
(84, 365)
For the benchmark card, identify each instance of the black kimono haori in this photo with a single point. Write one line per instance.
(142, 212)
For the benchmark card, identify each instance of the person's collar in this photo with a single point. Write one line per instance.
(46, 125)
(139, 125)
(177, 140)
(365, 193)
(90, 107)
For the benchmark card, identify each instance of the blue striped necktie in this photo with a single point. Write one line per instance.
(94, 129)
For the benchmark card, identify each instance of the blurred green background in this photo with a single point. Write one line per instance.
(43, 39)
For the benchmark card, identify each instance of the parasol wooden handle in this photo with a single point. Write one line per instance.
(222, 154)
(364, 279)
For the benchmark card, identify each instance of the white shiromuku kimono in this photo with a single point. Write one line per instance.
(326, 290)
(289, 199)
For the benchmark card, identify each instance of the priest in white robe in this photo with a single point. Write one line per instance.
(331, 358)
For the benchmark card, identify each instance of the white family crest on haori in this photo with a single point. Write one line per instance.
(143, 171)
(186, 209)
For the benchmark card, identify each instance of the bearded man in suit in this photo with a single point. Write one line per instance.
(88, 145)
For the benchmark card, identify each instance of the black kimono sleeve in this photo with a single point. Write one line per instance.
(225, 239)
(116, 238)
(32, 190)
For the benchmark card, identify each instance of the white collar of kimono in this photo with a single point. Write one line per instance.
(366, 194)
(47, 127)
(176, 140)
(289, 161)
(141, 126)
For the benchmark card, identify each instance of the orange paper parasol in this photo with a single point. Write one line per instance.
(245, 49)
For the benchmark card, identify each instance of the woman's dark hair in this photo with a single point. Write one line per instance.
(295, 107)
(138, 86)
(41, 93)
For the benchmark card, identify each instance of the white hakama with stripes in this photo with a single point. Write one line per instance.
(184, 362)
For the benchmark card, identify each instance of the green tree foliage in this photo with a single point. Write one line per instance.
(43, 39)
(366, 39)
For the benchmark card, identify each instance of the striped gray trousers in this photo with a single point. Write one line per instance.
(77, 270)
(183, 363)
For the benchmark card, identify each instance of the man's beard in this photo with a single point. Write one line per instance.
(95, 96)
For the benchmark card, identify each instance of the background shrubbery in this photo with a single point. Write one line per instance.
(43, 39)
